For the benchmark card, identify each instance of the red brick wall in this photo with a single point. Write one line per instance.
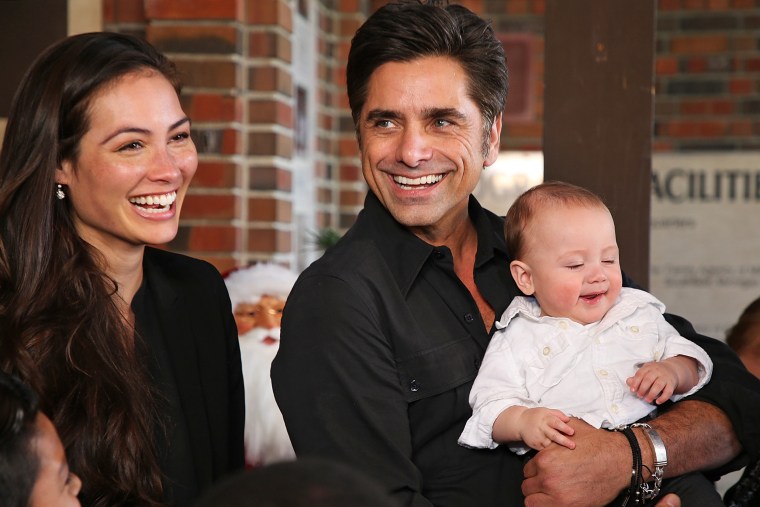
(708, 75)
(237, 56)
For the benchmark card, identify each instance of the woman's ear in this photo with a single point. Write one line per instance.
(523, 277)
(64, 172)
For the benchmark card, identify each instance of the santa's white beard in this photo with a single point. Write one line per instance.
(266, 439)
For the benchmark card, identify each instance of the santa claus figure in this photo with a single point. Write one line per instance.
(258, 295)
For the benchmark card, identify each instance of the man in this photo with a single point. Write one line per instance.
(258, 294)
(386, 331)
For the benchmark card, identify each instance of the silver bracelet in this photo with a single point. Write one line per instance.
(652, 489)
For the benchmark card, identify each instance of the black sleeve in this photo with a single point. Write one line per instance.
(336, 383)
(235, 384)
(731, 388)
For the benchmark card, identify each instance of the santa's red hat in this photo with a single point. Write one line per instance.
(247, 285)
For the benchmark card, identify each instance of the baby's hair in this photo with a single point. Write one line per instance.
(550, 193)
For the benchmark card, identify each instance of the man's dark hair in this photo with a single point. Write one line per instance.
(406, 31)
(19, 462)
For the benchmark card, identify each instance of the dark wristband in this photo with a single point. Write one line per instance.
(633, 494)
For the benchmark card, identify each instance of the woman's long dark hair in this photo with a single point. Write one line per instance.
(62, 330)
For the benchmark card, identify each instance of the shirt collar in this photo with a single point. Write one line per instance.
(405, 254)
(490, 229)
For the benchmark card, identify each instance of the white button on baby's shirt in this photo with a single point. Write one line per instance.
(562, 324)
(614, 409)
(634, 329)
(546, 351)
(603, 373)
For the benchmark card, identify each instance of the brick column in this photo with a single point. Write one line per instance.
(349, 188)
(268, 180)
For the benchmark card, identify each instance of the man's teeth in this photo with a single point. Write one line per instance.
(154, 203)
(422, 180)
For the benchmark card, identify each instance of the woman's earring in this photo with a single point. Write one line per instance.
(59, 193)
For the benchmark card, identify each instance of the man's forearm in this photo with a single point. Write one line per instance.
(586, 476)
(687, 423)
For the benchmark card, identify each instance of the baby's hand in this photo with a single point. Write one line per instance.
(654, 382)
(539, 427)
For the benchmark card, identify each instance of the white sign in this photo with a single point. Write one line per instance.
(705, 242)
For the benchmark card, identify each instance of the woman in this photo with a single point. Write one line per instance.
(133, 350)
(33, 469)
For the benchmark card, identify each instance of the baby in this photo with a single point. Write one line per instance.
(580, 345)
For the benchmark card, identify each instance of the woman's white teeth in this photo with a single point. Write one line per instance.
(422, 180)
(163, 201)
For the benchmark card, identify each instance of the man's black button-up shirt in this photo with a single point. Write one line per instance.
(380, 345)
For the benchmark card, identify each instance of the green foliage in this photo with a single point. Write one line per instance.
(325, 238)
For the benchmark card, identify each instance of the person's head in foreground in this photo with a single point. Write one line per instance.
(307, 482)
(33, 468)
(562, 239)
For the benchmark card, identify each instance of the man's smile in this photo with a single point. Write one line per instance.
(415, 183)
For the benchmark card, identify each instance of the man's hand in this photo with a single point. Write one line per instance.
(592, 474)
(585, 476)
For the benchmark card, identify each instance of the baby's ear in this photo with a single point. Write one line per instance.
(523, 277)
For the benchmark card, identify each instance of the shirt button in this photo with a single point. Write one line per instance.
(414, 386)
(614, 409)
(603, 373)
(563, 324)
(546, 351)
(468, 317)
(634, 329)
(437, 254)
